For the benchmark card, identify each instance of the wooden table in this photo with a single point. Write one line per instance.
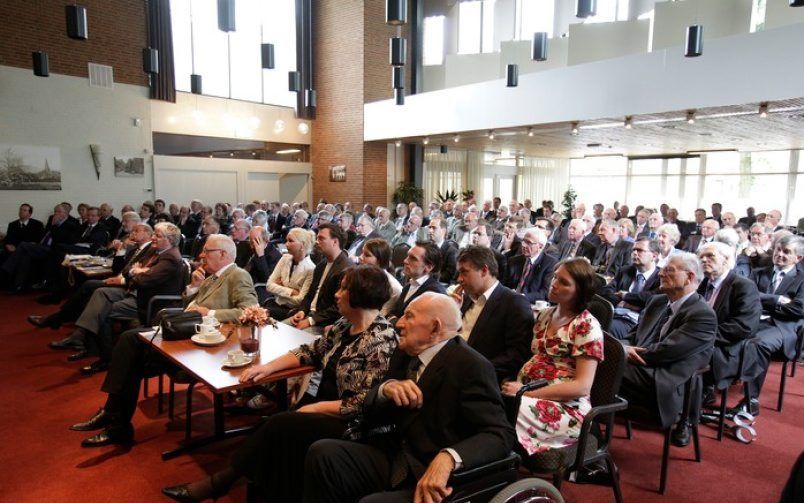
(204, 363)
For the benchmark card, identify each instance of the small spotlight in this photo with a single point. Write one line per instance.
(763, 110)
(530, 131)
(491, 135)
(456, 138)
(425, 141)
(574, 130)
(628, 122)
(398, 143)
(690, 116)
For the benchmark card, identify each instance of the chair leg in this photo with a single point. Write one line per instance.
(628, 431)
(615, 478)
(188, 425)
(696, 442)
(160, 399)
(145, 387)
(558, 477)
(171, 397)
(781, 387)
(721, 424)
(665, 461)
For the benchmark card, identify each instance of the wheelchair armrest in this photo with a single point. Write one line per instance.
(460, 477)
(539, 383)
(588, 420)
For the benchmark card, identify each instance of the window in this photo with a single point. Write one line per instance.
(230, 64)
(534, 16)
(433, 40)
(476, 27)
(758, 15)
(610, 10)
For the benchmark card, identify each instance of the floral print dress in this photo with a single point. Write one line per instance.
(545, 424)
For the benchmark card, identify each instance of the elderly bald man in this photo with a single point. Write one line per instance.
(443, 398)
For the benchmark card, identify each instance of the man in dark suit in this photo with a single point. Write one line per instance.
(437, 231)
(706, 235)
(488, 213)
(93, 235)
(497, 322)
(365, 231)
(61, 229)
(530, 273)
(750, 217)
(319, 309)
(219, 289)
(421, 268)
(111, 222)
(736, 303)
(613, 252)
(781, 292)
(575, 235)
(482, 236)
(632, 287)
(23, 230)
(673, 340)
(443, 405)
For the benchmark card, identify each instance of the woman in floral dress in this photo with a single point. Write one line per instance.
(567, 346)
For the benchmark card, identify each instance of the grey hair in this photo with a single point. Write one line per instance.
(671, 230)
(301, 213)
(223, 242)
(259, 217)
(366, 221)
(171, 232)
(727, 236)
(131, 216)
(539, 234)
(793, 241)
(242, 223)
(721, 248)
(691, 264)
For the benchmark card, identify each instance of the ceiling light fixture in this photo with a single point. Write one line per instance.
(512, 75)
(586, 8)
(628, 122)
(763, 110)
(538, 49)
(425, 141)
(694, 41)
(288, 151)
(456, 138)
(491, 134)
(574, 129)
(690, 116)
(530, 131)
(398, 143)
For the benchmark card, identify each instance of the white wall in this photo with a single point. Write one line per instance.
(779, 13)
(597, 41)
(719, 19)
(65, 113)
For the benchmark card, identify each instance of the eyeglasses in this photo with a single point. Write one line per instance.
(207, 250)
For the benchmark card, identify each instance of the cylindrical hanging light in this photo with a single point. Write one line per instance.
(512, 75)
(294, 82)
(76, 22)
(195, 84)
(267, 51)
(150, 60)
(40, 64)
(694, 41)
(398, 51)
(586, 8)
(796, 3)
(396, 12)
(538, 50)
(398, 77)
(310, 98)
(443, 149)
(226, 15)
(399, 96)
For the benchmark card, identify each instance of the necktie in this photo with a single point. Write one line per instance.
(413, 368)
(525, 274)
(87, 231)
(652, 235)
(777, 281)
(639, 283)
(710, 291)
(667, 316)
(573, 249)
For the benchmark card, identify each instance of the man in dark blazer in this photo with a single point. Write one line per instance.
(530, 273)
(365, 231)
(92, 236)
(319, 309)
(23, 230)
(612, 253)
(673, 340)
(421, 268)
(736, 303)
(632, 287)
(437, 232)
(497, 322)
(442, 405)
(111, 222)
(575, 236)
(695, 242)
(781, 292)
(482, 235)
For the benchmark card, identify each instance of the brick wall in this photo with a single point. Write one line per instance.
(116, 37)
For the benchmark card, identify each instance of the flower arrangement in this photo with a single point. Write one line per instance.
(255, 316)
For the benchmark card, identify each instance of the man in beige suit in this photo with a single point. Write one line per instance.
(218, 288)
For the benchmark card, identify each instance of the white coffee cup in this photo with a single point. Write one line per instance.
(205, 329)
(209, 320)
(540, 304)
(237, 356)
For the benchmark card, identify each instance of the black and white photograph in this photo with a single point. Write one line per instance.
(29, 168)
(129, 166)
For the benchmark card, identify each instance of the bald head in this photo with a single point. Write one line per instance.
(428, 320)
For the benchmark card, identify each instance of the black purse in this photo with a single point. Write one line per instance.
(178, 326)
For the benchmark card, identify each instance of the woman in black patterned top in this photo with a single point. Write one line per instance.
(350, 357)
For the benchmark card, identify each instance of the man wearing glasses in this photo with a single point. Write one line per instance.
(365, 231)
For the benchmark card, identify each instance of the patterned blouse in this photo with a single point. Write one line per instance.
(363, 361)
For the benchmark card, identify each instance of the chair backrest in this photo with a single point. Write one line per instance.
(602, 310)
(399, 253)
(609, 373)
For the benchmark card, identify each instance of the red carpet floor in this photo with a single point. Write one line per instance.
(42, 461)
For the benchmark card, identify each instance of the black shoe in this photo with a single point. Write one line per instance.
(42, 285)
(680, 437)
(95, 367)
(179, 493)
(123, 435)
(752, 408)
(80, 355)
(66, 343)
(51, 321)
(594, 473)
(100, 420)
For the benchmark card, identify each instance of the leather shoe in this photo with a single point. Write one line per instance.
(709, 398)
(66, 343)
(111, 435)
(752, 408)
(44, 321)
(100, 420)
(78, 356)
(179, 493)
(680, 437)
(95, 367)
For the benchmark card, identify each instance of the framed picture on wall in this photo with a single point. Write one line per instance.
(129, 166)
(25, 167)
(337, 173)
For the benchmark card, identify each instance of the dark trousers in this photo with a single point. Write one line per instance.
(277, 312)
(18, 265)
(337, 471)
(620, 326)
(132, 359)
(758, 352)
(639, 388)
(273, 456)
(75, 303)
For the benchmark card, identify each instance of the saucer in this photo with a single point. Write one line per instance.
(203, 341)
(229, 364)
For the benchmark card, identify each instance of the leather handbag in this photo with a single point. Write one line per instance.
(178, 326)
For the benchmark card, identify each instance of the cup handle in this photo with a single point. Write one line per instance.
(197, 330)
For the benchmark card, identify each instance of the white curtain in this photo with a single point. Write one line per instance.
(542, 178)
(443, 172)
(474, 172)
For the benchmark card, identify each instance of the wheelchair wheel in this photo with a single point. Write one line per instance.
(529, 490)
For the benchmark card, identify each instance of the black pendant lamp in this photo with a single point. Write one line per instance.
(586, 8)
(76, 22)
(226, 15)
(40, 64)
(398, 51)
(195, 84)
(694, 41)
(150, 60)
(267, 51)
(294, 82)
(796, 3)
(512, 75)
(398, 77)
(310, 98)
(538, 50)
(396, 12)
(399, 96)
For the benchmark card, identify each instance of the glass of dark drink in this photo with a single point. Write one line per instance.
(250, 341)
